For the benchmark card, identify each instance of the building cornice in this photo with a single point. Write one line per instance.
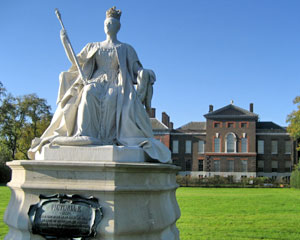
(189, 133)
(250, 154)
(272, 134)
(161, 132)
(231, 117)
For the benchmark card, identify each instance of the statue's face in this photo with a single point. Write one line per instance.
(111, 25)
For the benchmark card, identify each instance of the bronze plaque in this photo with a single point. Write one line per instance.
(65, 216)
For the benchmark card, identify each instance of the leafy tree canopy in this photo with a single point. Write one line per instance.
(294, 121)
(21, 119)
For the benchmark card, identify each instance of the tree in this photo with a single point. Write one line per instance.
(38, 118)
(294, 122)
(21, 120)
(5, 172)
(295, 177)
(2, 91)
(10, 124)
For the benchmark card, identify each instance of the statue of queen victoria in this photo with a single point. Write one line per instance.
(104, 108)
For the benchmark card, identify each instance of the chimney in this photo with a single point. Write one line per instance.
(251, 107)
(211, 108)
(152, 113)
(165, 119)
(171, 125)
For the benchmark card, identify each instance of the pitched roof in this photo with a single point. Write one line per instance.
(158, 125)
(193, 126)
(268, 125)
(231, 111)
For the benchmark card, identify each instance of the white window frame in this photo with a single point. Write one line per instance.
(234, 142)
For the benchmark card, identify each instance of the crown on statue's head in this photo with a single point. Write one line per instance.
(113, 13)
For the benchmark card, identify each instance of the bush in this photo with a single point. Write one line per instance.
(295, 177)
(5, 173)
(219, 181)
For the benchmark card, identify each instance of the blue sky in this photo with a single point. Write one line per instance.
(203, 52)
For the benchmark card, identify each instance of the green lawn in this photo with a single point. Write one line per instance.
(216, 213)
(223, 214)
(4, 199)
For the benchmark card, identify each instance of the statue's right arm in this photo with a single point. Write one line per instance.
(65, 42)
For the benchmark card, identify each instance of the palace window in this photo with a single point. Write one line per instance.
(217, 124)
(217, 165)
(244, 145)
(244, 165)
(217, 145)
(260, 166)
(175, 146)
(200, 165)
(188, 146)
(260, 146)
(288, 147)
(288, 166)
(176, 161)
(230, 143)
(274, 146)
(230, 165)
(201, 146)
(188, 165)
(274, 166)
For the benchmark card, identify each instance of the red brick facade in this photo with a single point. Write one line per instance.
(238, 154)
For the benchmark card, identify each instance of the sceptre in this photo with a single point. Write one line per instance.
(71, 48)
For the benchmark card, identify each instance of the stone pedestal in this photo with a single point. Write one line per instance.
(138, 199)
(92, 153)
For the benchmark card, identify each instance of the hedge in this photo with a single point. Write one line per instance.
(295, 177)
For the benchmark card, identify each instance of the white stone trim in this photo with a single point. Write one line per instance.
(189, 133)
(272, 134)
(167, 132)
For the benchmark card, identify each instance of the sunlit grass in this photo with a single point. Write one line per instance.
(4, 199)
(223, 214)
(216, 213)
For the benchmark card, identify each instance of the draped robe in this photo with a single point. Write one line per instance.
(133, 127)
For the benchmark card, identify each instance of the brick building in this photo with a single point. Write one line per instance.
(231, 142)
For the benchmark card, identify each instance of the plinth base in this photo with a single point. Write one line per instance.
(91, 153)
(138, 199)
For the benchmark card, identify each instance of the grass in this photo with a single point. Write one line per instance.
(4, 199)
(223, 214)
(216, 213)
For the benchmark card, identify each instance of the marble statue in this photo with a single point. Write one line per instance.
(101, 105)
